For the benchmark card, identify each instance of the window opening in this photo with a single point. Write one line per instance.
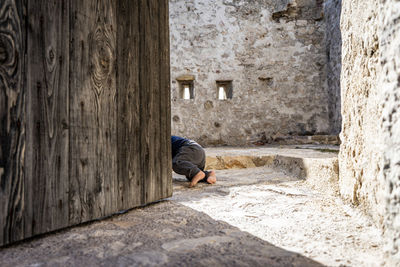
(224, 90)
(186, 90)
(222, 93)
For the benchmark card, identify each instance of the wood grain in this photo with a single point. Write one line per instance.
(146, 93)
(157, 41)
(164, 92)
(129, 130)
(47, 120)
(154, 81)
(84, 111)
(93, 110)
(12, 120)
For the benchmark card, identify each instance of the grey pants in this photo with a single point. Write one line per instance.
(190, 160)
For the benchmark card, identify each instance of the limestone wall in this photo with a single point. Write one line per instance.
(360, 157)
(275, 54)
(369, 159)
(389, 86)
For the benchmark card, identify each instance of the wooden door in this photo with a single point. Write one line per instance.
(84, 111)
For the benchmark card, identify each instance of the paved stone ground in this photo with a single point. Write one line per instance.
(162, 234)
(252, 217)
(289, 214)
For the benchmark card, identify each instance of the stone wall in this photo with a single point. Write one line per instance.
(274, 52)
(360, 157)
(333, 39)
(369, 159)
(389, 86)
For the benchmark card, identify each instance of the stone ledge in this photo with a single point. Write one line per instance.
(185, 78)
(317, 168)
(279, 139)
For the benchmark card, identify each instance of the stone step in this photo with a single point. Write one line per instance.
(317, 164)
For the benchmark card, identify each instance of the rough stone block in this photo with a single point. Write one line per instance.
(360, 155)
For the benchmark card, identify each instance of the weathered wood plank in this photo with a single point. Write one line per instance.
(143, 101)
(150, 20)
(154, 143)
(129, 130)
(47, 139)
(161, 98)
(150, 80)
(153, 191)
(145, 115)
(12, 120)
(165, 184)
(93, 110)
(94, 98)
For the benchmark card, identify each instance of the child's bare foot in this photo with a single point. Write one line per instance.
(212, 178)
(199, 176)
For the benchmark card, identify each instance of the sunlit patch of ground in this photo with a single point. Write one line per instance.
(287, 213)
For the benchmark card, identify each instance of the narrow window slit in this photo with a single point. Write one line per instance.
(222, 93)
(224, 90)
(186, 93)
(186, 87)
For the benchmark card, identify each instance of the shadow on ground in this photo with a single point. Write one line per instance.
(162, 234)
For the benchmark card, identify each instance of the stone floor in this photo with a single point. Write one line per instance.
(252, 217)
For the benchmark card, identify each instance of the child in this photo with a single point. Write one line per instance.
(189, 159)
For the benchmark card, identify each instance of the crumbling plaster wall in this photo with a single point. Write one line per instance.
(369, 158)
(360, 157)
(389, 87)
(273, 50)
